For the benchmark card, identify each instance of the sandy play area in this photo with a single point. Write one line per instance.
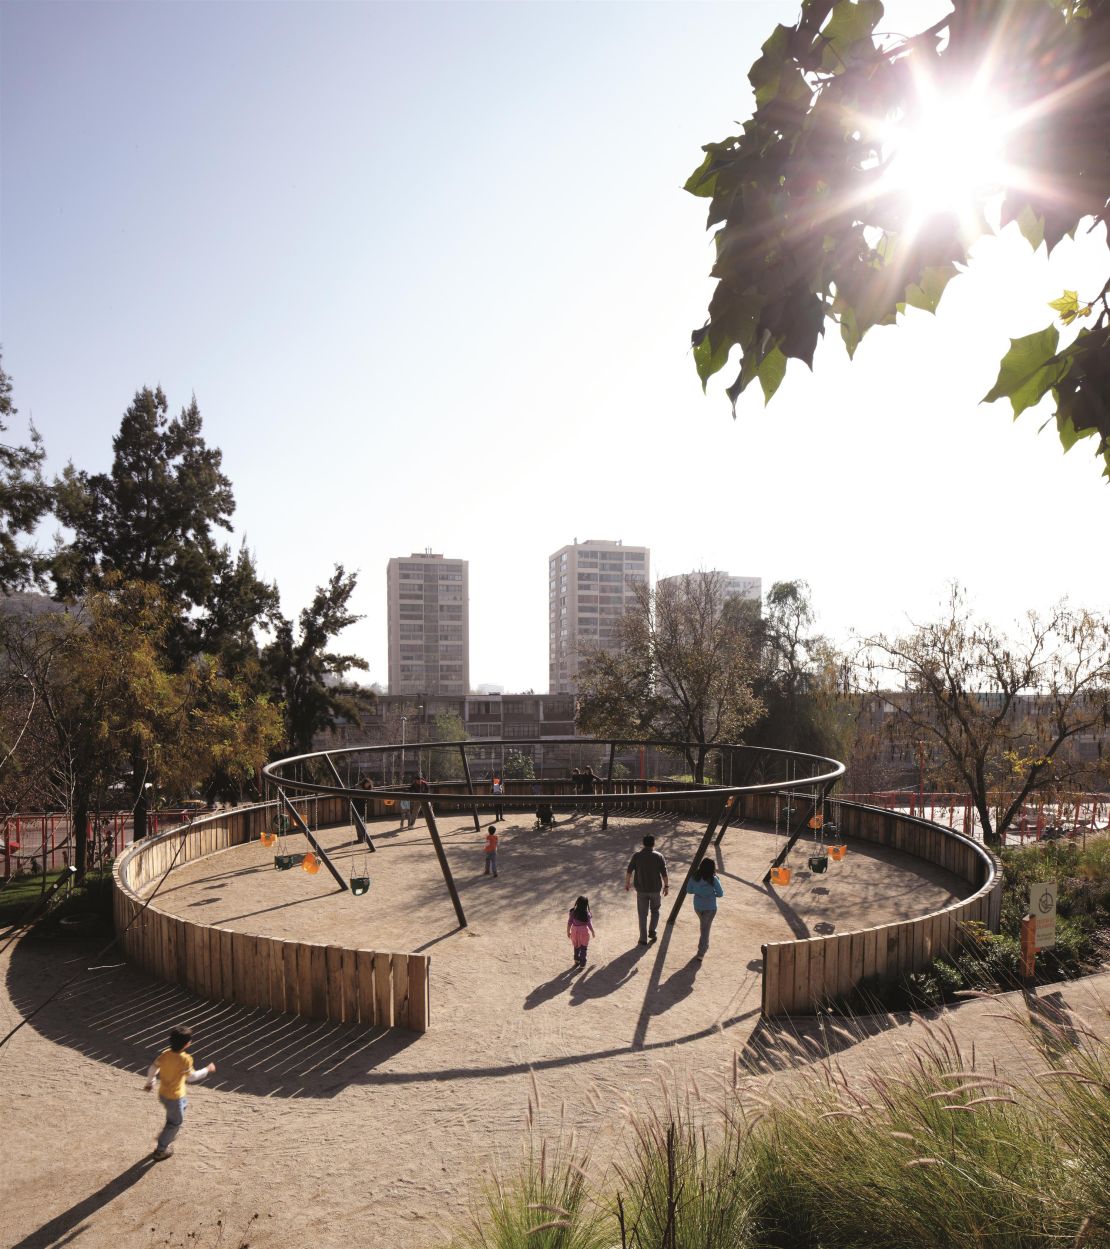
(333, 1135)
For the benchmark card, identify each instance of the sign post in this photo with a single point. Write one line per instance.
(1038, 928)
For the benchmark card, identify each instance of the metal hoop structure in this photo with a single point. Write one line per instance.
(738, 770)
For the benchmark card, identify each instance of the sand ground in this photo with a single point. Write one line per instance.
(315, 1134)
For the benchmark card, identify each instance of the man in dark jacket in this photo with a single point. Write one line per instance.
(648, 870)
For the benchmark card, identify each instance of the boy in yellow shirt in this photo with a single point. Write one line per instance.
(173, 1069)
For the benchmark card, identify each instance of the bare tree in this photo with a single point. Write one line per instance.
(1002, 715)
(683, 672)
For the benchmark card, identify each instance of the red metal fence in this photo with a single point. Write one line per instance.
(30, 839)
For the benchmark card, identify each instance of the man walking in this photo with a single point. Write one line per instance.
(648, 869)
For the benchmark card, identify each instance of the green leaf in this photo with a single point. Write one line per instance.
(1029, 370)
(848, 25)
(709, 358)
(926, 293)
(701, 182)
(1069, 435)
(772, 369)
(1031, 224)
(765, 74)
(1068, 307)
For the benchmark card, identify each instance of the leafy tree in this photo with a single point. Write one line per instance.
(1002, 715)
(684, 671)
(519, 766)
(812, 226)
(444, 765)
(801, 679)
(304, 673)
(24, 496)
(153, 518)
(109, 708)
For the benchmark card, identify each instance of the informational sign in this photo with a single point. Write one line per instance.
(1042, 906)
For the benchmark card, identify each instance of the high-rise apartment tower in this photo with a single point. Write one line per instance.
(589, 585)
(750, 588)
(429, 625)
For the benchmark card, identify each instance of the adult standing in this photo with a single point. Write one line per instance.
(647, 869)
(705, 889)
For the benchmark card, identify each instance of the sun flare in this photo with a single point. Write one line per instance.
(948, 157)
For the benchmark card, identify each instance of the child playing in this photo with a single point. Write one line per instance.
(580, 929)
(173, 1068)
(491, 851)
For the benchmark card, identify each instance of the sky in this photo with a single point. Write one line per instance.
(430, 273)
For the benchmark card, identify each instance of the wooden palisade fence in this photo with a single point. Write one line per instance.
(800, 976)
(368, 987)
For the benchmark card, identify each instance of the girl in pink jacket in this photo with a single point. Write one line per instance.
(580, 929)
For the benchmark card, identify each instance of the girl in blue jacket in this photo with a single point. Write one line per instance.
(705, 889)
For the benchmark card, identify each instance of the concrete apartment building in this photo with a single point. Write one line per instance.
(750, 588)
(589, 586)
(429, 625)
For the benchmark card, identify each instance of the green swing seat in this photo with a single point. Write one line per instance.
(818, 862)
(360, 885)
(283, 862)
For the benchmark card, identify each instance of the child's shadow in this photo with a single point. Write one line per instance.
(550, 988)
(607, 978)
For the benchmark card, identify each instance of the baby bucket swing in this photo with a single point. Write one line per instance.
(837, 849)
(781, 875)
(360, 882)
(283, 859)
(819, 857)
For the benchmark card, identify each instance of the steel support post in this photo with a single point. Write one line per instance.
(470, 786)
(609, 784)
(698, 856)
(433, 829)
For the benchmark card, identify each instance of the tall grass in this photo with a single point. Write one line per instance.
(932, 1152)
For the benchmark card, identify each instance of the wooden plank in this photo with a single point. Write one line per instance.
(304, 980)
(239, 968)
(383, 991)
(855, 970)
(227, 978)
(349, 985)
(771, 998)
(799, 979)
(367, 1013)
(291, 971)
(816, 983)
(333, 957)
(400, 968)
(318, 965)
(419, 975)
(272, 968)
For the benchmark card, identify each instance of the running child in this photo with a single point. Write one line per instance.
(173, 1069)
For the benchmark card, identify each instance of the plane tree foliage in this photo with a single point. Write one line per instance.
(810, 233)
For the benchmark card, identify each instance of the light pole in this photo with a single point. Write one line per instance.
(403, 720)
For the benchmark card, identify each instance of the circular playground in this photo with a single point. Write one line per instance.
(338, 899)
(514, 956)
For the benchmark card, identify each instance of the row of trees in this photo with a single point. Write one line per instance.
(990, 714)
(165, 664)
